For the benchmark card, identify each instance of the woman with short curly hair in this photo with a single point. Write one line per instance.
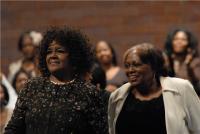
(60, 102)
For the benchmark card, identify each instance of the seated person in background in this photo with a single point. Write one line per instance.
(182, 57)
(20, 79)
(5, 112)
(106, 57)
(27, 45)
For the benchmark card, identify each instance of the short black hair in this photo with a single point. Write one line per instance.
(5, 90)
(192, 41)
(21, 38)
(114, 58)
(98, 76)
(76, 43)
(152, 56)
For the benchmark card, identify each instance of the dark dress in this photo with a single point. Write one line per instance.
(141, 117)
(47, 108)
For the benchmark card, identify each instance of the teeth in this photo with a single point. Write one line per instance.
(133, 75)
(54, 62)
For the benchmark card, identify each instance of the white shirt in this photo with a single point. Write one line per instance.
(11, 92)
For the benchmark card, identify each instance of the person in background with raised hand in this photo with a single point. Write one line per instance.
(181, 56)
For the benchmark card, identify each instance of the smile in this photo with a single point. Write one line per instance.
(54, 62)
(133, 76)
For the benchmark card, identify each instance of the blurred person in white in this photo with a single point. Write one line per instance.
(5, 108)
(27, 45)
(106, 57)
(11, 91)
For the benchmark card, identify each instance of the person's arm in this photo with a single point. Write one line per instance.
(17, 125)
(192, 108)
(11, 92)
(96, 114)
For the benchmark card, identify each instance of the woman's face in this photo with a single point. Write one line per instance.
(104, 53)
(20, 81)
(57, 58)
(28, 66)
(28, 48)
(180, 42)
(137, 72)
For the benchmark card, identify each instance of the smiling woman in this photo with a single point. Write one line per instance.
(152, 101)
(57, 61)
(182, 58)
(106, 57)
(60, 101)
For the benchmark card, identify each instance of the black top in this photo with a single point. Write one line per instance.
(141, 117)
(46, 108)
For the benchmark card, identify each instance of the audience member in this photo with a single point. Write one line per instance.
(106, 57)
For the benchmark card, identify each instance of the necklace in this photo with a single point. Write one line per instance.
(63, 83)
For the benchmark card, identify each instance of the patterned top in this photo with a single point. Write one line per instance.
(46, 108)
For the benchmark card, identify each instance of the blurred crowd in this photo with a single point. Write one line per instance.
(180, 54)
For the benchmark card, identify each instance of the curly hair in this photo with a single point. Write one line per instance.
(76, 43)
(192, 41)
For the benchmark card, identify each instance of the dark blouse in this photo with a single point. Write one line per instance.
(141, 117)
(47, 108)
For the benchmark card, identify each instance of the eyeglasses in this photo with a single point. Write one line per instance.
(133, 65)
